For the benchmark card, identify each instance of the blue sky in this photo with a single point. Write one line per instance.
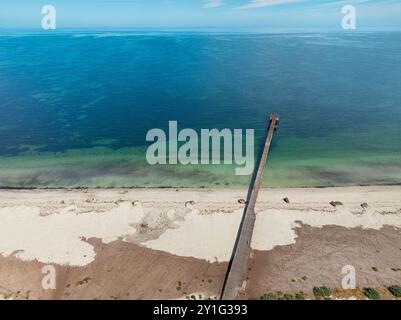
(226, 14)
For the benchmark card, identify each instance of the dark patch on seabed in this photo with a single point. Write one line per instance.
(66, 95)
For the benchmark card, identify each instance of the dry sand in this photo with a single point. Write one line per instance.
(172, 243)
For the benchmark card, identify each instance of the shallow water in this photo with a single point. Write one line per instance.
(76, 106)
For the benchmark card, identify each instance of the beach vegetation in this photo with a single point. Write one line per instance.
(300, 296)
(395, 291)
(278, 295)
(322, 292)
(371, 293)
(269, 296)
(288, 296)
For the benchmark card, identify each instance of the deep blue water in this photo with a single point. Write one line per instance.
(75, 107)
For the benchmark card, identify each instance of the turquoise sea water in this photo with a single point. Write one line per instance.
(75, 106)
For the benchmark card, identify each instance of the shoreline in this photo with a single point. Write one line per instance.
(5, 188)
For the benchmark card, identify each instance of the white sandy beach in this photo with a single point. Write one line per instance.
(51, 226)
(55, 226)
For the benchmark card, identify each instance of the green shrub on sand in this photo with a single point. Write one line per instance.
(395, 291)
(371, 293)
(322, 292)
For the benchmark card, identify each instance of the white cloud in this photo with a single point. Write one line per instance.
(344, 2)
(266, 3)
(212, 3)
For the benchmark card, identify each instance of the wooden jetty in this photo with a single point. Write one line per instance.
(238, 266)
